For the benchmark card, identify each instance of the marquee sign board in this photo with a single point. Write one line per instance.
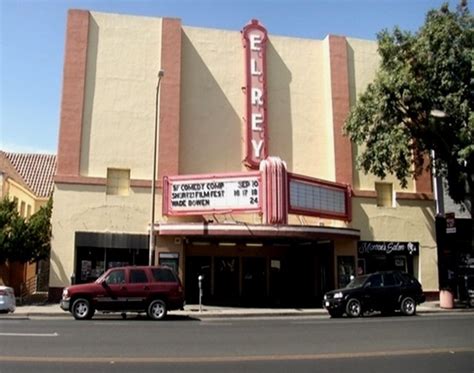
(209, 194)
(254, 39)
(316, 197)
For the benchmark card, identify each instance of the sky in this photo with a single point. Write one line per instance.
(33, 38)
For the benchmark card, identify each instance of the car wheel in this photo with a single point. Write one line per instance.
(408, 306)
(81, 309)
(353, 308)
(157, 309)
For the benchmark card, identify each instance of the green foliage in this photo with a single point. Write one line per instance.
(421, 100)
(24, 240)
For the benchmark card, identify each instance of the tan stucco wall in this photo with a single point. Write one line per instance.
(363, 64)
(83, 208)
(213, 103)
(300, 130)
(409, 221)
(123, 59)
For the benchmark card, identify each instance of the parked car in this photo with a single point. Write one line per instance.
(7, 299)
(154, 290)
(386, 291)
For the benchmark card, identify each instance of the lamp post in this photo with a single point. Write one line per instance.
(161, 73)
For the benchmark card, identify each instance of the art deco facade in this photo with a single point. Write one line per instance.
(257, 186)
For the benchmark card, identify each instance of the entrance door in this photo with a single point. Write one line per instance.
(277, 280)
(254, 280)
(198, 266)
(226, 278)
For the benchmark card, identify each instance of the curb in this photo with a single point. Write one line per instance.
(204, 315)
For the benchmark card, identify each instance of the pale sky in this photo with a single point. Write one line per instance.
(33, 38)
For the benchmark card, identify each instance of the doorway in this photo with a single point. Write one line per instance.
(254, 281)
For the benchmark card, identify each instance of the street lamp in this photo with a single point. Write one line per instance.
(161, 73)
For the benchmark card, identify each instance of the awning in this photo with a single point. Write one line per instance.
(255, 230)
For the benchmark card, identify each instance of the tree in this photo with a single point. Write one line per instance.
(39, 229)
(421, 103)
(23, 240)
(8, 217)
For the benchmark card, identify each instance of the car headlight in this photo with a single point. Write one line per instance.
(65, 293)
(325, 297)
(338, 295)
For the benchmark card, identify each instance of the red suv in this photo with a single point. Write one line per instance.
(154, 290)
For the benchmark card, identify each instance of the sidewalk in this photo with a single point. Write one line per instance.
(193, 311)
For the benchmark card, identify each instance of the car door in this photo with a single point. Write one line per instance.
(138, 289)
(113, 295)
(391, 291)
(373, 292)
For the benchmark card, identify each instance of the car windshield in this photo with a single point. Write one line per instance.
(357, 282)
(100, 279)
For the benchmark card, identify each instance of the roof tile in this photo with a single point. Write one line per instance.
(37, 170)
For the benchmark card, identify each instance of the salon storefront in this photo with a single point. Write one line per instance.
(386, 256)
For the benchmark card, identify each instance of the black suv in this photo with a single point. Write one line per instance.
(381, 291)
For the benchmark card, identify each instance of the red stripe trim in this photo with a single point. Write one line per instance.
(340, 107)
(168, 148)
(72, 104)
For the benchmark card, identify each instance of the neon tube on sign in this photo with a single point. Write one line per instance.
(254, 39)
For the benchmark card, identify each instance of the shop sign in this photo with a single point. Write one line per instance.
(194, 195)
(254, 39)
(382, 247)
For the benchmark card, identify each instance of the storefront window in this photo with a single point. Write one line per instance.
(345, 269)
(92, 262)
(388, 255)
(170, 260)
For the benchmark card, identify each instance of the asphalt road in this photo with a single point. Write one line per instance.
(428, 343)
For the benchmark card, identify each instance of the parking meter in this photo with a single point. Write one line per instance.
(200, 278)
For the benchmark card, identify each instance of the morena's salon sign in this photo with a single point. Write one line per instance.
(254, 39)
(188, 195)
(382, 247)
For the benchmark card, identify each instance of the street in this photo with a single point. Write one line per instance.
(425, 343)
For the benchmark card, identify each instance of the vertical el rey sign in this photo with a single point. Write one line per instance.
(254, 39)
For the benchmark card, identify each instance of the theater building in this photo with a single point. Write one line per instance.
(256, 186)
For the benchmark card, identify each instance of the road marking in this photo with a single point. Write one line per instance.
(230, 359)
(29, 334)
(214, 323)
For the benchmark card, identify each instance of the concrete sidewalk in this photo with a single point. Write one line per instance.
(193, 311)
